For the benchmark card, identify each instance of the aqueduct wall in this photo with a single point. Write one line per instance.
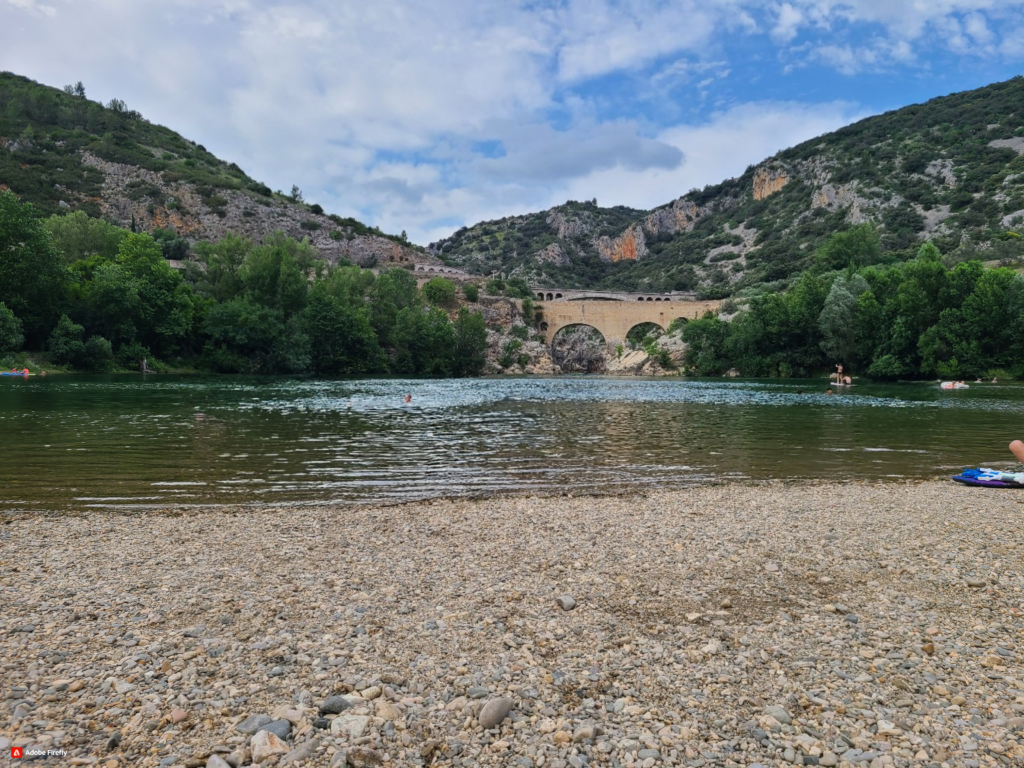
(614, 319)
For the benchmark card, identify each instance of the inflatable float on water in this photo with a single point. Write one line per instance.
(953, 385)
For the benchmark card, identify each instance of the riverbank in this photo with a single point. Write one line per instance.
(833, 624)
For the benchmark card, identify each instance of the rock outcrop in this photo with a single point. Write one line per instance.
(629, 246)
(769, 179)
(554, 254)
(566, 227)
(681, 216)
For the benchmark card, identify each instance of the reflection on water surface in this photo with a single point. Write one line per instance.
(79, 441)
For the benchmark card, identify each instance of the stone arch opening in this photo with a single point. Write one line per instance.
(641, 332)
(540, 295)
(544, 327)
(550, 297)
(579, 348)
(639, 298)
(558, 295)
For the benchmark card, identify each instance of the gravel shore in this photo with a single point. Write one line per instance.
(841, 625)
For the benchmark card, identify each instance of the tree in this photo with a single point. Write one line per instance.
(65, 344)
(858, 247)
(440, 292)
(837, 320)
(471, 292)
(392, 291)
(296, 193)
(706, 346)
(31, 270)
(79, 237)
(11, 336)
(276, 273)
(470, 344)
(97, 355)
(219, 277)
(342, 341)
(246, 337)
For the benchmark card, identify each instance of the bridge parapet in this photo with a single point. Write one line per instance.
(575, 294)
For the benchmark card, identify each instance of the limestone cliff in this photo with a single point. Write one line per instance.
(769, 179)
(681, 216)
(629, 246)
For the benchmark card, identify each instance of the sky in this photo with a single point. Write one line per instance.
(428, 115)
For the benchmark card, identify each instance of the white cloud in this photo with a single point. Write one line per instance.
(32, 6)
(787, 23)
(378, 109)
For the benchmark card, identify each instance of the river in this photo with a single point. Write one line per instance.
(75, 441)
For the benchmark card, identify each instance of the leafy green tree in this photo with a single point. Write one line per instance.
(440, 292)
(342, 340)
(424, 342)
(97, 355)
(217, 271)
(858, 247)
(247, 337)
(276, 274)
(470, 344)
(392, 292)
(348, 284)
(65, 344)
(80, 237)
(837, 321)
(11, 336)
(31, 269)
(471, 292)
(706, 350)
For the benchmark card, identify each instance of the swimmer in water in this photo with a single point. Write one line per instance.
(828, 391)
(408, 398)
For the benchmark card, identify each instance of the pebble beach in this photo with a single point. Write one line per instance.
(853, 625)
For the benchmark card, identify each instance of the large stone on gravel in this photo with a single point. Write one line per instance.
(494, 712)
(216, 761)
(780, 714)
(350, 726)
(361, 757)
(301, 752)
(566, 602)
(265, 745)
(253, 723)
(280, 728)
(335, 705)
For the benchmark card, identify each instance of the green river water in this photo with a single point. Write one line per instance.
(74, 442)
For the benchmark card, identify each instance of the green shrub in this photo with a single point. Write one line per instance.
(309, 225)
(471, 292)
(97, 354)
(11, 336)
(65, 344)
(440, 292)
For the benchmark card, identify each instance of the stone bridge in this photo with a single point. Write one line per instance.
(615, 319)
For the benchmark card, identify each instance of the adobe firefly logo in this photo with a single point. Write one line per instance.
(16, 753)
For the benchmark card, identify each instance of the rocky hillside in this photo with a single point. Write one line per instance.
(62, 152)
(950, 170)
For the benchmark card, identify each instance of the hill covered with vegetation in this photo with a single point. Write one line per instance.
(950, 171)
(62, 152)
